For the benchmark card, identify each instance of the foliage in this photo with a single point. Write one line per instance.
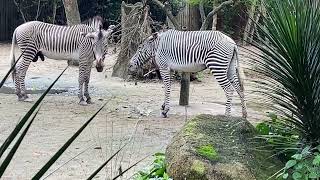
(282, 139)
(289, 66)
(157, 171)
(303, 165)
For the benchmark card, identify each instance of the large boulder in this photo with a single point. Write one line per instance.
(218, 147)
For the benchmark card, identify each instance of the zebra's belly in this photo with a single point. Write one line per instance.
(61, 56)
(188, 67)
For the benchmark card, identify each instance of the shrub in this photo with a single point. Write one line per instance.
(157, 171)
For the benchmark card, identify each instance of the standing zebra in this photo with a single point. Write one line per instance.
(84, 43)
(193, 51)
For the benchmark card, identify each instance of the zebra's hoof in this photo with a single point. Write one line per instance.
(90, 102)
(22, 97)
(83, 103)
(244, 115)
(164, 115)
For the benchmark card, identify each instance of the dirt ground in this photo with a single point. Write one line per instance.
(132, 111)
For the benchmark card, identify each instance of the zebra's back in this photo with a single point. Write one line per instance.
(188, 50)
(54, 41)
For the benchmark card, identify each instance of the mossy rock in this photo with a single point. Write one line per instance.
(218, 148)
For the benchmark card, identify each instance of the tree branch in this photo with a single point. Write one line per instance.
(201, 9)
(205, 23)
(165, 7)
(20, 10)
(38, 11)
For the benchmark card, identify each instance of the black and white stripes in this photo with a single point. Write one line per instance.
(84, 43)
(193, 51)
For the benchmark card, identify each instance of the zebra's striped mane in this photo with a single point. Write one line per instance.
(96, 22)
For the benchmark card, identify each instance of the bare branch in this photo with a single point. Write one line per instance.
(202, 13)
(205, 23)
(165, 7)
(38, 11)
(20, 10)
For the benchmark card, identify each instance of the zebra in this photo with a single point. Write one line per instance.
(84, 43)
(193, 51)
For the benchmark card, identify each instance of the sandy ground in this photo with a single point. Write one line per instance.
(132, 111)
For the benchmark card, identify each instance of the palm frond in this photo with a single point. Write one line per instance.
(290, 64)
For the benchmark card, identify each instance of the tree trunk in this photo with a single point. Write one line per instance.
(73, 18)
(214, 22)
(249, 23)
(54, 10)
(253, 29)
(135, 27)
(189, 19)
(72, 12)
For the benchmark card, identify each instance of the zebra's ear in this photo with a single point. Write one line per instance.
(107, 33)
(155, 35)
(112, 27)
(87, 35)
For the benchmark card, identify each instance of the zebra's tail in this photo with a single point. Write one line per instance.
(238, 68)
(12, 56)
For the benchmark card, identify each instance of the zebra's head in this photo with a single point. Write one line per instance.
(99, 40)
(145, 51)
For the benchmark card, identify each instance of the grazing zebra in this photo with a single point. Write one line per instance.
(84, 43)
(193, 51)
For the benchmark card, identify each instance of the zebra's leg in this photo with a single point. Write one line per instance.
(16, 81)
(22, 70)
(86, 84)
(227, 88)
(219, 70)
(167, 78)
(82, 73)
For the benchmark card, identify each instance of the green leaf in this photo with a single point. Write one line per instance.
(305, 151)
(165, 176)
(298, 166)
(316, 160)
(273, 116)
(313, 175)
(285, 175)
(14, 149)
(297, 156)
(53, 159)
(263, 129)
(296, 175)
(18, 127)
(290, 164)
(159, 154)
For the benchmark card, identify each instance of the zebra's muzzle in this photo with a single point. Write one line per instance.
(99, 68)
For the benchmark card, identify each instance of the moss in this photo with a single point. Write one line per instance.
(208, 151)
(198, 167)
(189, 128)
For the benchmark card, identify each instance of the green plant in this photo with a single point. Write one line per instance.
(303, 165)
(157, 171)
(280, 138)
(289, 66)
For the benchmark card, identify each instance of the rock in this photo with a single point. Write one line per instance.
(218, 148)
